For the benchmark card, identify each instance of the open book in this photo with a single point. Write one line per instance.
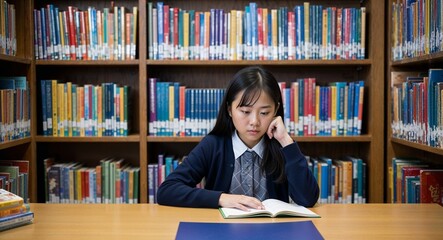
(273, 208)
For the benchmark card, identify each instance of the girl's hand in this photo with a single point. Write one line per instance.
(241, 202)
(278, 131)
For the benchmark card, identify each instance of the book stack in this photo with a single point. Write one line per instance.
(13, 211)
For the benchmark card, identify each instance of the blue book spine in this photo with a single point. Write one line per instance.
(212, 36)
(300, 32)
(49, 105)
(285, 32)
(56, 21)
(300, 105)
(44, 116)
(188, 112)
(350, 114)
(160, 33)
(43, 32)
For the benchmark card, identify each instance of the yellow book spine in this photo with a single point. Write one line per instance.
(274, 34)
(60, 108)
(307, 40)
(122, 111)
(69, 105)
(54, 108)
(333, 101)
(78, 184)
(265, 34)
(81, 110)
(233, 43)
(62, 34)
(363, 33)
(324, 31)
(185, 36)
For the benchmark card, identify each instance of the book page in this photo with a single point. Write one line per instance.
(279, 207)
(231, 212)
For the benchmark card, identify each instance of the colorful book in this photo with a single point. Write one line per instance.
(9, 200)
(431, 186)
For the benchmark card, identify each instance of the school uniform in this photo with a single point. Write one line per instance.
(213, 159)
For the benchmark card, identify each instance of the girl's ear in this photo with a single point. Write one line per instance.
(229, 110)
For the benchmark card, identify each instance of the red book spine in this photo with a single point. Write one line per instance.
(72, 38)
(168, 48)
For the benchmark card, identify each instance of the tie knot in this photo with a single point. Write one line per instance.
(249, 155)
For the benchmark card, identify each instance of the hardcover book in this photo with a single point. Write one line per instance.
(9, 200)
(273, 208)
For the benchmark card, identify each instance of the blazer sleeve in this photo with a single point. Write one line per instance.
(303, 187)
(179, 188)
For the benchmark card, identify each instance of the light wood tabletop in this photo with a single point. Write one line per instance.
(151, 221)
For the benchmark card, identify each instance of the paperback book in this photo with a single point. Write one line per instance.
(273, 208)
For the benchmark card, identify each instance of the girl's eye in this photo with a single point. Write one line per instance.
(245, 112)
(264, 113)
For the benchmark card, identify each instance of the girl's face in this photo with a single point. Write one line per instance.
(252, 122)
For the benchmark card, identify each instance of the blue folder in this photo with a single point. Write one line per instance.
(256, 231)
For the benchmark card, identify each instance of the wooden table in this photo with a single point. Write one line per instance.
(151, 221)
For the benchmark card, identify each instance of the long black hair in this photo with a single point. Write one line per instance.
(253, 80)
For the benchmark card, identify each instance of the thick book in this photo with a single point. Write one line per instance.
(279, 230)
(16, 220)
(9, 200)
(273, 208)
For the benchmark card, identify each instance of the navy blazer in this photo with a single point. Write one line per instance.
(213, 159)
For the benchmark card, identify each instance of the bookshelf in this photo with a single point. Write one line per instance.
(217, 73)
(140, 149)
(21, 64)
(399, 147)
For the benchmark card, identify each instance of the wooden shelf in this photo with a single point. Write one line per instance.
(364, 62)
(361, 138)
(438, 151)
(8, 58)
(86, 62)
(130, 138)
(14, 143)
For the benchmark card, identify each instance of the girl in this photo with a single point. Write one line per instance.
(248, 156)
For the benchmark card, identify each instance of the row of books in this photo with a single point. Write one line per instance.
(334, 110)
(340, 180)
(414, 181)
(69, 109)
(417, 106)
(313, 110)
(417, 28)
(13, 211)
(74, 34)
(8, 31)
(157, 173)
(15, 108)
(175, 110)
(14, 177)
(305, 31)
(112, 181)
